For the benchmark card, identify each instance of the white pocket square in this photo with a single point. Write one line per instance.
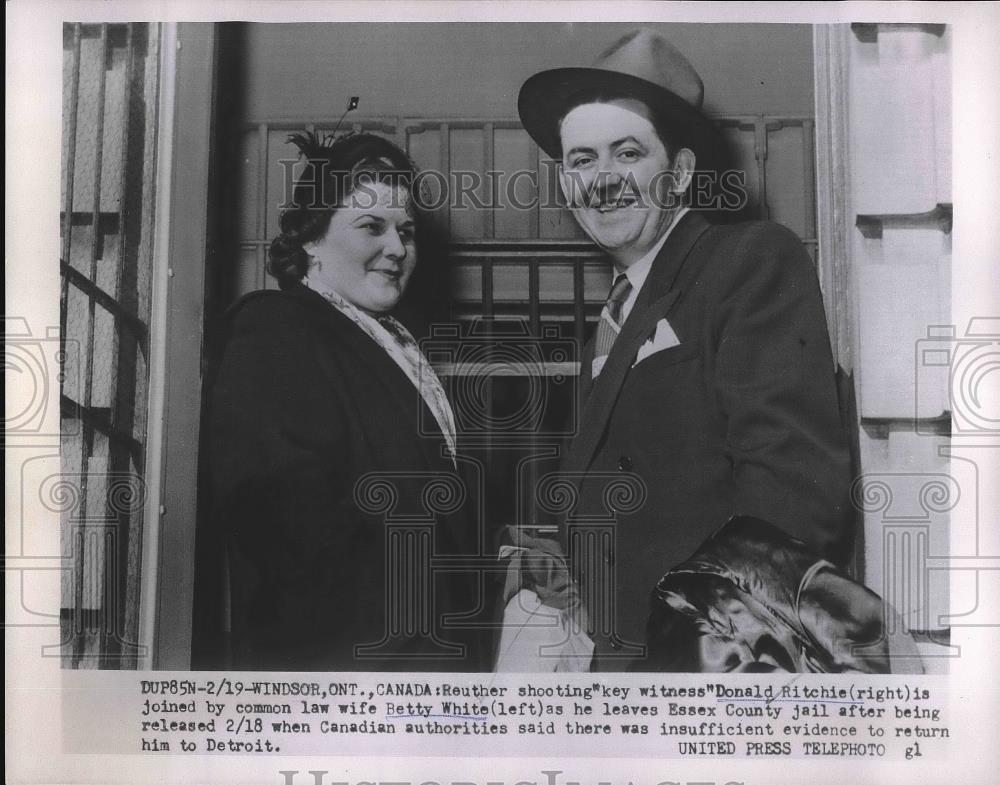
(663, 338)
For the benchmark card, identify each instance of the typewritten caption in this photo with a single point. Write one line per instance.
(801, 717)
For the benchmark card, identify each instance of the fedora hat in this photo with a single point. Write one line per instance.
(642, 65)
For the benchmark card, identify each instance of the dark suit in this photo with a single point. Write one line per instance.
(740, 418)
(303, 406)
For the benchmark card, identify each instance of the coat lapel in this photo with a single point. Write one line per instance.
(653, 302)
(381, 365)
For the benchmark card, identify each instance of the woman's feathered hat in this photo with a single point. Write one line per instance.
(314, 146)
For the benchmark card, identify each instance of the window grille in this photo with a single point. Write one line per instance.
(534, 264)
(110, 91)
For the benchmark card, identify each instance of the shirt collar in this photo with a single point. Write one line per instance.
(638, 271)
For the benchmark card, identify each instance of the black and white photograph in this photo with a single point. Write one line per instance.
(493, 381)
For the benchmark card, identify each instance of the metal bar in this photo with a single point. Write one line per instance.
(126, 129)
(388, 123)
(63, 314)
(534, 314)
(471, 309)
(79, 562)
(504, 248)
(95, 215)
(517, 306)
(404, 131)
(487, 287)
(122, 414)
(501, 246)
(69, 167)
(488, 385)
(385, 123)
(444, 134)
(262, 158)
(69, 184)
(102, 82)
(489, 185)
(95, 293)
(88, 431)
(288, 123)
(809, 177)
(579, 317)
(98, 422)
(469, 255)
(760, 154)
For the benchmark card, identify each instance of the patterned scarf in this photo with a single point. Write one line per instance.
(401, 346)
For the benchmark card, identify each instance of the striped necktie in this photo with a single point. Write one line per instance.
(610, 323)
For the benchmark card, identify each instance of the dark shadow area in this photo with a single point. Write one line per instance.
(210, 633)
(853, 553)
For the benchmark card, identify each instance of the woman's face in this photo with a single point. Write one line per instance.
(368, 253)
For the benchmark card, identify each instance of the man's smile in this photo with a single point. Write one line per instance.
(610, 207)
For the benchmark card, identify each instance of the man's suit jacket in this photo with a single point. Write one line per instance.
(740, 418)
(303, 406)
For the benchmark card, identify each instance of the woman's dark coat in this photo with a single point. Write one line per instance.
(304, 408)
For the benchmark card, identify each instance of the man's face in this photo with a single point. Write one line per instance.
(617, 177)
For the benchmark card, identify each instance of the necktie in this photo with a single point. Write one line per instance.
(610, 323)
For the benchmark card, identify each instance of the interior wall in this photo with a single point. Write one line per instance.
(475, 69)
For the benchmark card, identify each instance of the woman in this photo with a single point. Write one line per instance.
(332, 444)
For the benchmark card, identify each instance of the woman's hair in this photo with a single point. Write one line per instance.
(335, 168)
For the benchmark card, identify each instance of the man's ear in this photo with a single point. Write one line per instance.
(684, 163)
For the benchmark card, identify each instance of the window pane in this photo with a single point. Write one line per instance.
(105, 332)
(77, 344)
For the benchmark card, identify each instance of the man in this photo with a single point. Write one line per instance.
(709, 383)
